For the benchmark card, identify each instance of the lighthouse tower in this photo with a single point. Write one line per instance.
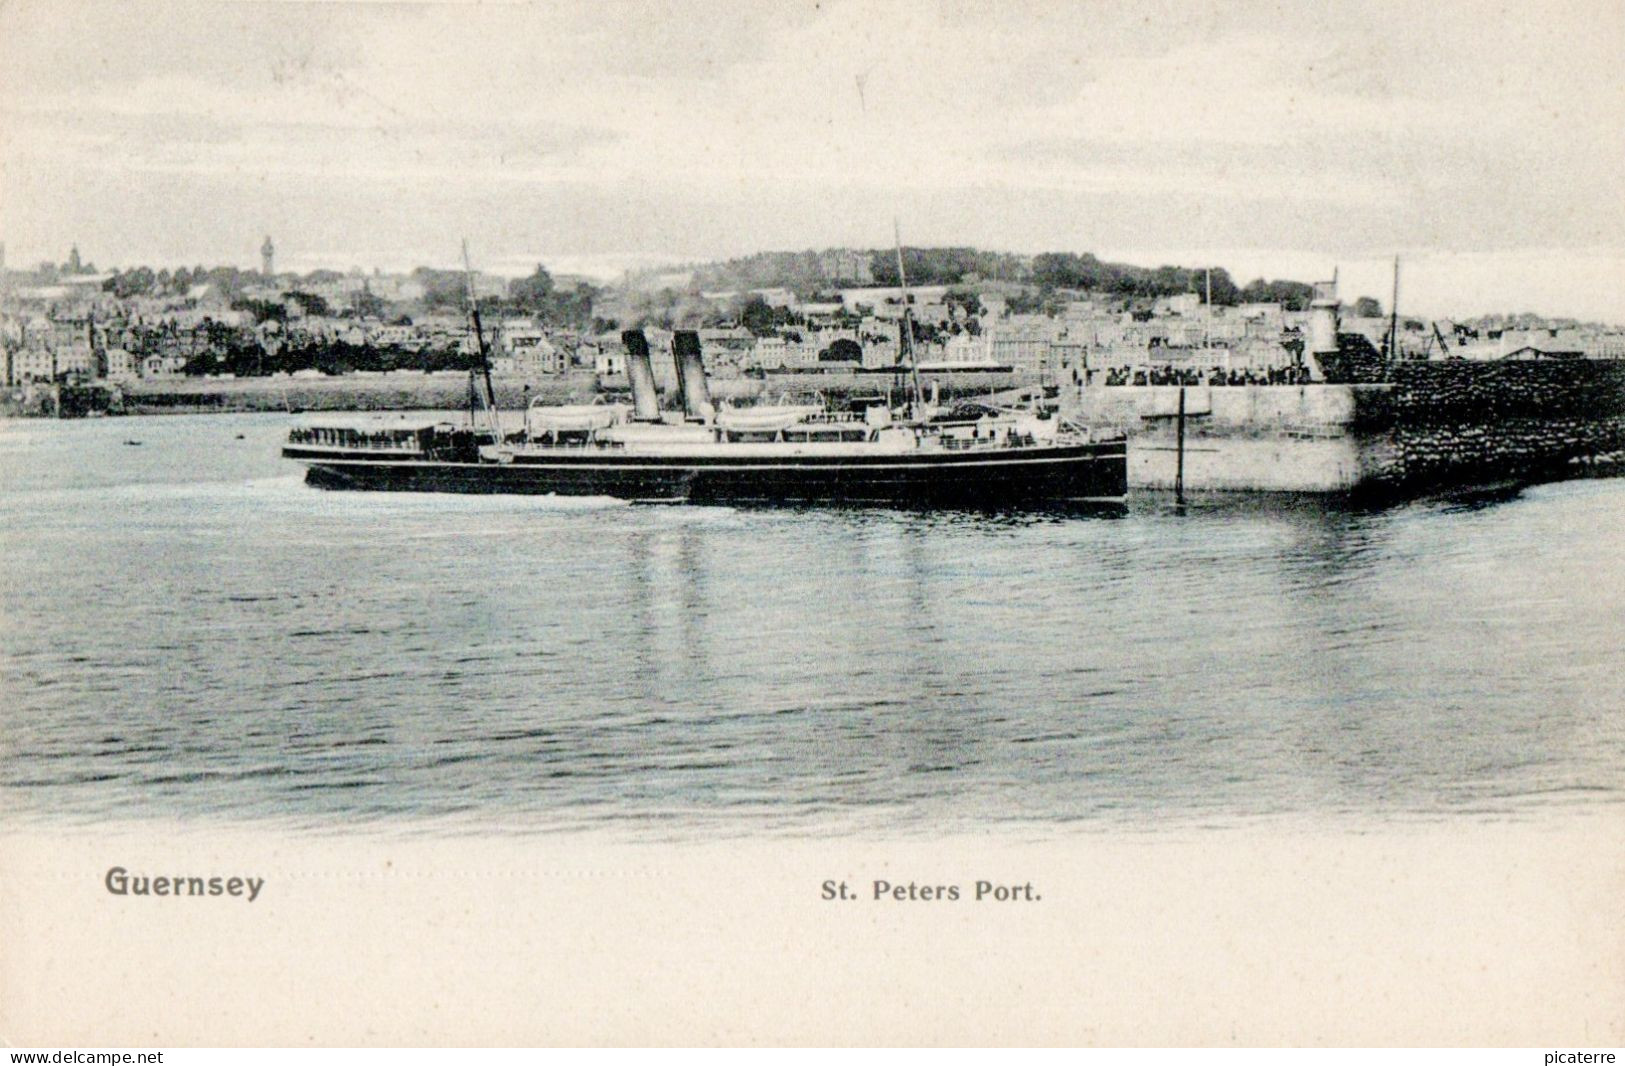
(1322, 327)
(267, 257)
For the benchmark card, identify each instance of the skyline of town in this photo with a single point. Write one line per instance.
(1370, 279)
(1055, 317)
(1274, 140)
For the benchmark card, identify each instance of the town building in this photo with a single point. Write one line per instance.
(121, 363)
(531, 352)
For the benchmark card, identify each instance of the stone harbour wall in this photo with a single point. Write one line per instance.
(1481, 392)
(1428, 425)
(1243, 438)
(1461, 421)
(1524, 447)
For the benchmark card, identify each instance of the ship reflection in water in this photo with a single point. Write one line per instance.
(194, 633)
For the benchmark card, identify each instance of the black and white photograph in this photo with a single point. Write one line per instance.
(823, 523)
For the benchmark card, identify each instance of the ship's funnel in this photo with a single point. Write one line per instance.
(641, 373)
(691, 376)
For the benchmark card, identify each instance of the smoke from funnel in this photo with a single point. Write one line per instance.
(640, 373)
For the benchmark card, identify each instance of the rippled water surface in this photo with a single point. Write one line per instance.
(191, 632)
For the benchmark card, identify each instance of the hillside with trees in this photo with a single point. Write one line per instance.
(1050, 272)
(949, 266)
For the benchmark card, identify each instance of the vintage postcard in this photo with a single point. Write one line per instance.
(812, 523)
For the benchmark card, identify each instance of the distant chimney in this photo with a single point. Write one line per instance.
(641, 373)
(691, 376)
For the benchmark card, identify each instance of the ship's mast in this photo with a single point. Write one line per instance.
(1393, 316)
(1207, 313)
(490, 397)
(908, 325)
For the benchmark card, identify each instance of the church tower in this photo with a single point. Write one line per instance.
(267, 257)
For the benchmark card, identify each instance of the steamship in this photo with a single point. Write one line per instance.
(971, 454)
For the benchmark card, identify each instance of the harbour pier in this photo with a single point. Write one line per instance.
(1425, 425)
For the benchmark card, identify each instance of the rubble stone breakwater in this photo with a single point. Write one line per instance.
(1416, 427)
(1455, 421)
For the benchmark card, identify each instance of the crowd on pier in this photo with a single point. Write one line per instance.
(1218, 375)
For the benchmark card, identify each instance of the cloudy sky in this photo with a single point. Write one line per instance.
(1481, 142)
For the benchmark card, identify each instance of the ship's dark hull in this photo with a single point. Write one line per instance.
(1092, 472)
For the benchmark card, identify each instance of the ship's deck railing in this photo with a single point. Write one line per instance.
(838, 430)
(346, 437)
(829, 417)
(1003, 440)
(547, 445)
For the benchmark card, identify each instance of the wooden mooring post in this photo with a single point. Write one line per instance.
(1179, 451)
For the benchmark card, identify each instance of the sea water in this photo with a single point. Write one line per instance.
(189, 632)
